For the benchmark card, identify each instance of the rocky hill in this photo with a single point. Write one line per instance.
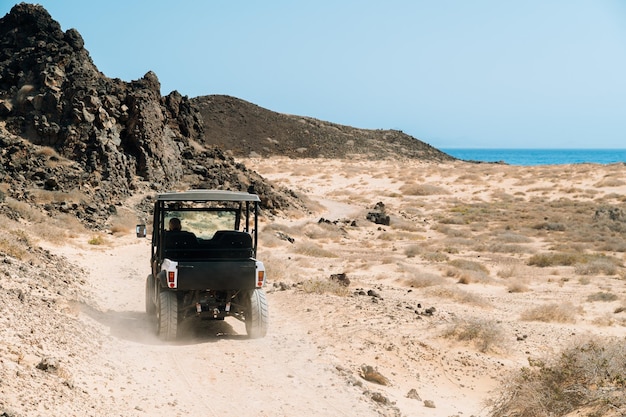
(245, 129)
(68, 130)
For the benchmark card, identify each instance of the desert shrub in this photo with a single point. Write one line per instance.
(423, 279)
(412, 251)
(466, 276)
(507, 272)
(25, 211)
(510, 237)
(613, 245)
(97, 240)
(606, 320)
(458, 295)
(602, 296)
(588, 375)
(399, 223)
(507, 248)
(517, 286)
(311, 249)
(322, 230)
(450, 249)
(319, 286)
(19, 235)
(469, 178)
(609, 182)
(12, 249)
(501, 195)
(560, 313)
(422, 189)
(451, 220)
(276, 227)
(46, 151)
(47, 196)
(58, 229)
(434, 257)
(486, 335)
(469, 265)
(597, 266)
(274, 235)
(550, 226)
(543, 260)
(459, 241)
(452, 232)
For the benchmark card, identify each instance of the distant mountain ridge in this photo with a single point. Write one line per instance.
(245, 129)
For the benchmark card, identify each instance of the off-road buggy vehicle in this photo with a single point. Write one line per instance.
(204, 265)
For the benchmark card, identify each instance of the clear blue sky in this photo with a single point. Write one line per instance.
(453, 73)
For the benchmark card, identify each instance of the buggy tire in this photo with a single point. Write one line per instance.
(167, 316)
(256, 314)
(150, 306)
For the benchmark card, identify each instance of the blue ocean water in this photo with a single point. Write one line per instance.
(528, 157)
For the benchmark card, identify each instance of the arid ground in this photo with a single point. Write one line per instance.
(483, 269)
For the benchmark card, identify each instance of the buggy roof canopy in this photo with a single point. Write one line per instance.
(208, 195)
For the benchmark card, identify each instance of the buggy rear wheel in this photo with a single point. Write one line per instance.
(167, 315)
(256, 313)
(150, 306)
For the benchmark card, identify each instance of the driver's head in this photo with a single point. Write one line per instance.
(174, 224)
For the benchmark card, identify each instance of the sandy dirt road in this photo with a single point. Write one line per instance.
(214, 369)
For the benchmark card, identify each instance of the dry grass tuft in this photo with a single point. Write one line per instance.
(97, 240)
(12, 249)
(423, 190)
(323, 230)
(596, 267)
(46, 196)
(609, 182)
(508, 272)
(412, 251)
(543, 260)
(434, 257)
(313, 250)
(25, 211)
(486, 335)
(586, 264)
(588, 375)
(469, 265)
(458, 295)
(398, 223)
(518, 286)
(560, 313)
(424, 279)
(602, 296)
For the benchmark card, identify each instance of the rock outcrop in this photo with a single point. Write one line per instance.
(66, 127)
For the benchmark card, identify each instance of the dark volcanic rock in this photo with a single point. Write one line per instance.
(379, 215)
(98, 137)
(58, 98)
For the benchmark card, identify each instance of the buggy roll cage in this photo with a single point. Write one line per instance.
(250, 208)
